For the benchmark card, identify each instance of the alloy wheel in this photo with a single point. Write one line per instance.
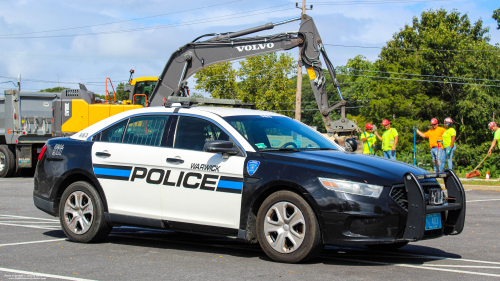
(284, 227)
(78, 212)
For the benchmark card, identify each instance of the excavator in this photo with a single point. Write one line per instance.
(171, 86)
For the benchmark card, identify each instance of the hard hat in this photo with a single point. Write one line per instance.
(448, 120)
(491, 125)
(385, 122)
(351, 144)
(434, 121)
(369, 126)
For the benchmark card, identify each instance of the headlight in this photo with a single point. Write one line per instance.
(351, 187)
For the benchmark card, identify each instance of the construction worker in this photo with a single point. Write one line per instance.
(368, 139)
(449, 142)
(496, 139)
(389, 140)
(434, 135)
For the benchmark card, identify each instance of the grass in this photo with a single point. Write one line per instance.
(476, 182)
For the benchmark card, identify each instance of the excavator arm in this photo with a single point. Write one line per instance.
(197, 55)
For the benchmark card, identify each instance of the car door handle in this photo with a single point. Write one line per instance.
(102, 154)
(175, 160)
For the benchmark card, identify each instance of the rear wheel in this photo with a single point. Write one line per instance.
(7, 162)
(81, 213)
(287, 228)
(387, 247)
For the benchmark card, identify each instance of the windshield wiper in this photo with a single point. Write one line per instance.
(280, 149)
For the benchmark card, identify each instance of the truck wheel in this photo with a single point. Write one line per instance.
(7, 162)
(287, 228)
(81, 213)
(386, 247)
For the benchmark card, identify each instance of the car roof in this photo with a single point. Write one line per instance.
(206, 111)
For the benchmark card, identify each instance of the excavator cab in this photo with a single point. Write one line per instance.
(140, 89)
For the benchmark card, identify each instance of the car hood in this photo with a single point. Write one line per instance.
(349, 166)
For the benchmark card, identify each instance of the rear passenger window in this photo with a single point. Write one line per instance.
(113, 134)
(192, 133)
(146, 130)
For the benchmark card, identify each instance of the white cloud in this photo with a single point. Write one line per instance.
(95, 57)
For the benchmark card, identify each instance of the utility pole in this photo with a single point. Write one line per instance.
(298, 94)
(19, 82)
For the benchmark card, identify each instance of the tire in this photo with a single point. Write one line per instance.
(7, 162)
(86, 224)
(386, 247)
(300, 239)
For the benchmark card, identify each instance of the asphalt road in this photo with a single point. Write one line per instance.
(33, 247)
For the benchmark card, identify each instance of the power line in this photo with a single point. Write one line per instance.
(410, 49)
(122, 21)
(206, 20)
(421, 80)
(425, 75)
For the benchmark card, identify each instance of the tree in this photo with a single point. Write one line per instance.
(54, 90)
(219, 80)
(496, 16)
(266, 80)
(436, 47)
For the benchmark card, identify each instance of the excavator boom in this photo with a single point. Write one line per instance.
(197, 55)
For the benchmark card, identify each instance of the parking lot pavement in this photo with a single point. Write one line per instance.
(33, 246)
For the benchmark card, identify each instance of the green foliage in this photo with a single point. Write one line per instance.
(496, 16)
(120, 93)
(219, 80)
(264, 80)
(54, 90)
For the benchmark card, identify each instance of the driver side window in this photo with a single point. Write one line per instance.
(192, 133)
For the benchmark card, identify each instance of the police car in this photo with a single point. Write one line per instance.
(252, 175)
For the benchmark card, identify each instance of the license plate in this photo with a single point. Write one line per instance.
(433, 221)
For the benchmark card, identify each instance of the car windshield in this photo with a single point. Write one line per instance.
(271, 133)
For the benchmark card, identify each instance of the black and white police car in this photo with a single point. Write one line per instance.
(253, 175)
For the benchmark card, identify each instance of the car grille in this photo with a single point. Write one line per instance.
(399, 195)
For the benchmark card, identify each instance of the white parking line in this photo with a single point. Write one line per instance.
(415, 256)
(31, 226)
(416, 266)
(53, 222)
(482, 200)
(402, 255)
(32, 242)
(37, 274)
(468, 266)
(12, 216)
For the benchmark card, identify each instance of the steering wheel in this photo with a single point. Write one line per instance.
(289, 143)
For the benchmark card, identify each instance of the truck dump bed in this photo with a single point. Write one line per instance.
(25, 126)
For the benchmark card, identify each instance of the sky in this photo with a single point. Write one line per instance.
(61, 43)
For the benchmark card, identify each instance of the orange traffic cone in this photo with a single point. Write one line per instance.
(487, 175)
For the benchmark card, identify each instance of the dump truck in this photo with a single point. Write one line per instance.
(25, 126)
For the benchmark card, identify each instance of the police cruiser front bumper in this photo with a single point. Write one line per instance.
(451, 211)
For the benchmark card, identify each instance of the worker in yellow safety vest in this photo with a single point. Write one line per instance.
(389, 140)
(496, 139)
(368, 139)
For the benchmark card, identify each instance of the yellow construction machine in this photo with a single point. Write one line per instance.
(76, 109)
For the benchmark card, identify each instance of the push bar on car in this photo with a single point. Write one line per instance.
(453, 220)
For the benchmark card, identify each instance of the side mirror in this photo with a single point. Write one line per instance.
(127, 88)
(351, 144)
(218, 146)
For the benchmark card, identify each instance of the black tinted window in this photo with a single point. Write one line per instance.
(192, 133)
(146, 130)
(113, 133)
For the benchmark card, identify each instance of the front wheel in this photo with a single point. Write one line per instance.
(81, 213)
(287, 228)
